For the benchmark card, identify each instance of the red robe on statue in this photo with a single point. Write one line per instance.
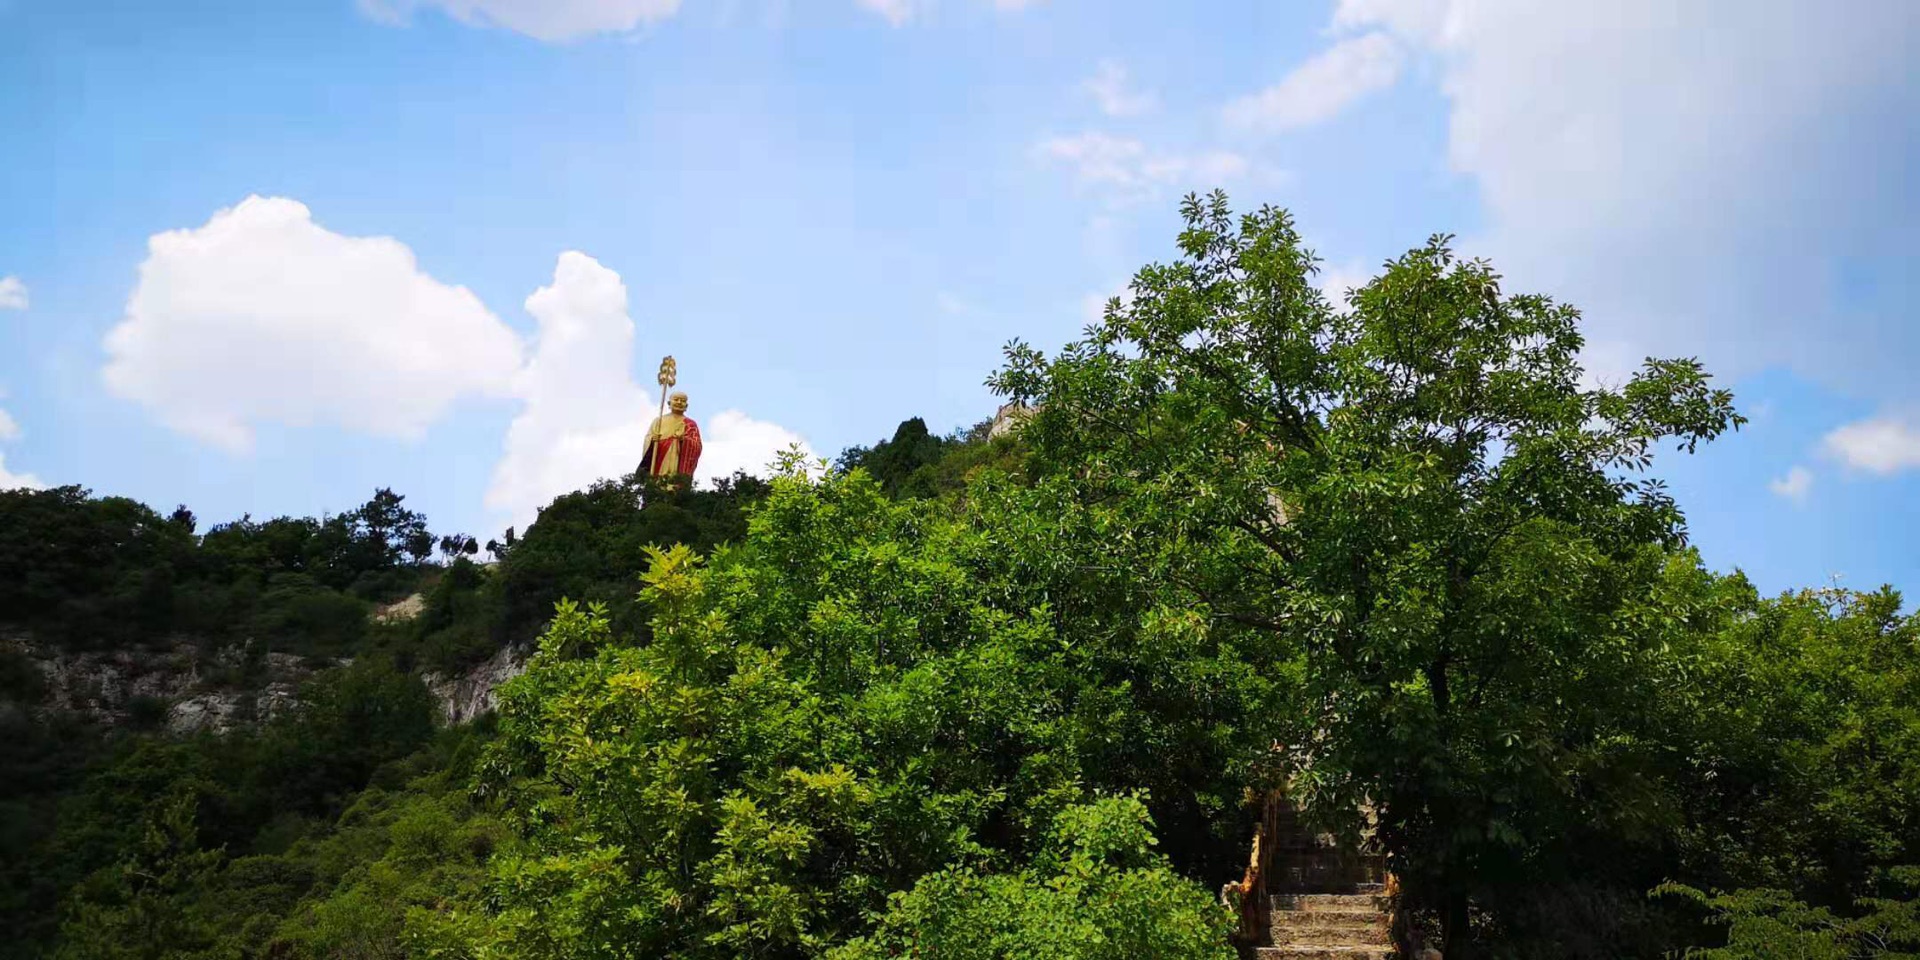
(688, 451)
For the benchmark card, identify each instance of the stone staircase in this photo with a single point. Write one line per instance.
(1324, 902)
(1327, 926)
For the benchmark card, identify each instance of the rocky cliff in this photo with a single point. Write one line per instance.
(187, 688)
(465, 696)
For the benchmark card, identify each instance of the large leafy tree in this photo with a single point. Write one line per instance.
(855, 696)
(1417, 493)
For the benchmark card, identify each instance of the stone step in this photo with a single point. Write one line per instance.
(1368, 933)
(1328, 918)
(1364, 902)
(1304, 952)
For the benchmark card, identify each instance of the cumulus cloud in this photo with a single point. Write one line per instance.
(1320, 88)
(1125, 170)
(264, 316)
(1111, 89)
(585, 417)
(1884, 445)
(734, 441)
(13, 481)
(13, 294)
(1701, 178)
(10, 430)
(1794, 486)
(550, 20)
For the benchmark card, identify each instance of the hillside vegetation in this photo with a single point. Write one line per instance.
(961, 697)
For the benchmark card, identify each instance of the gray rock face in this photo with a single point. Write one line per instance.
(191, 690)
(464, 696)
(195, 690)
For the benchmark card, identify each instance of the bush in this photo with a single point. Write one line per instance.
(462, 622)
(1097, 892)
(298, 615)
(1771, 925)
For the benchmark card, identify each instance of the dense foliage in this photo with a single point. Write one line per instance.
(963, 697)
(106, 571)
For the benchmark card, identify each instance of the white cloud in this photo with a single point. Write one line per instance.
(14, 481)
(1322, 87)
(1335, 279)
(1884, 445)
(1693, 175)
(1609, 363)
(263, 316)
(898, 12)
(1109, 88)
(585, 417)
(10, 430)
(1125, 170)
(1794, 486)
(13, 294)
(557, 21)
(550, 20)
(734, 441)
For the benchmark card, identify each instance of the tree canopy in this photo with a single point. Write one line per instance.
(1390, 555)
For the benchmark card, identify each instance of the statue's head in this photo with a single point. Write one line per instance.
(677, 402)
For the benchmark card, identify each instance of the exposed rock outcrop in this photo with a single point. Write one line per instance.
(188, 689)
(465, 696)
(184, 686)
(401, 611)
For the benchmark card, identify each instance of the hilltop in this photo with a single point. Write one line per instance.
(1263, 586)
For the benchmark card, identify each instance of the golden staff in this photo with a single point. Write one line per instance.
(669, 375)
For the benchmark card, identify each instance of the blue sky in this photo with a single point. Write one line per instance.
(835, 212)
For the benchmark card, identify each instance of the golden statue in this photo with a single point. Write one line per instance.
(673, 439)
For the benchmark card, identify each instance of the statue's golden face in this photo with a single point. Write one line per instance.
(677, 403)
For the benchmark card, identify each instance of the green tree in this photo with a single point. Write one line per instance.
(903, 465)
(847, 700)
(138, 909)
(1771, 925)
(1417, 493)
(1097, 892)
(589, 545)
(1797, 742)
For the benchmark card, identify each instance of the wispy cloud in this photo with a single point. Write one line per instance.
(550, 20)
(1112, 90)
(896, 12)
(1125, 170)
(899, 12)
(1320, 88)
(13, 294)
(1795, 486)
